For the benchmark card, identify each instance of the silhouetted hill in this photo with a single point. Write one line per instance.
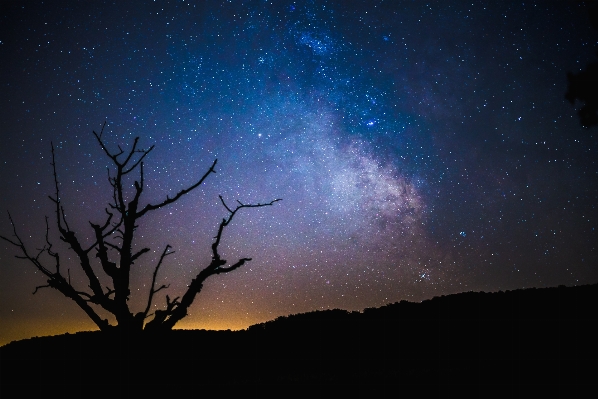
(514, 343)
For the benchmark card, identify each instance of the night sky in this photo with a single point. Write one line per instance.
(421, 148)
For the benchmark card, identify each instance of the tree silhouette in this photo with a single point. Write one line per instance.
(583, 86)
(113, 241)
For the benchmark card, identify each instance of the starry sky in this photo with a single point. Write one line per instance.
(421, 148)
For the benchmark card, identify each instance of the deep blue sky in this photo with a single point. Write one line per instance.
(421, 148)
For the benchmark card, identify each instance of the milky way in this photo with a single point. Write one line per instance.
(420, 148)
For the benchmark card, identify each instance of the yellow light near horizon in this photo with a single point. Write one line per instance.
(28, 328)
(19, 329)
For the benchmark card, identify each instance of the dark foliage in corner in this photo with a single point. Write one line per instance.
(583, 86)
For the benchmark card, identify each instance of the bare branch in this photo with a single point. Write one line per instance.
(19, 244)
(57, 194)
(160, 316)
(64, 219)
(239, 263)
(39, 287)
(99, 230)
(144, 152)
(150, 207)
(224, 204)
(138, 254)
(162, 287)
(99, 137)
(48, 249)
(171, 304)
(133, 151)
(168, 318)
(113, 246)
(165, 253)
(69, 237)
(99, 299)
(226, 221)
(55, 280)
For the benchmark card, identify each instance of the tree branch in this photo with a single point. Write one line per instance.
(166, 319)
(168, 200)
(55, 280)
(40, 286)
(102, 235)
(239, 263)
(226, 221)
(144, 152)
(48, 249)
(138, 254)
(69, 237)
(19, 244)
(165, 253)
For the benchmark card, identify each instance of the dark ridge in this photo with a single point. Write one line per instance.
(514, 343)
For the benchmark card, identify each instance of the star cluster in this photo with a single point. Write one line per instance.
(420, 148)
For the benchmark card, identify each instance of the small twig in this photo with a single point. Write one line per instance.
(169, 200)
(165, 253)
(40, 286)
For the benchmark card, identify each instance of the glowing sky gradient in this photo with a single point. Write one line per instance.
(420, 148)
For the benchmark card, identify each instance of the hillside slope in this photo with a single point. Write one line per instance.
(512, 343)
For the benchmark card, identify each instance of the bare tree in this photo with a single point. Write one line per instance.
(113, 245)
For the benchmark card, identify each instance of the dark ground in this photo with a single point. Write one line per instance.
(507, 344)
